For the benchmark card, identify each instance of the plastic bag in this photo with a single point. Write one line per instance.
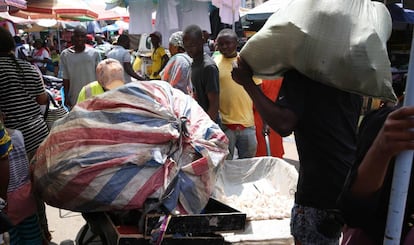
(339, 43)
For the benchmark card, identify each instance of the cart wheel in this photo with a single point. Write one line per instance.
(85, 237)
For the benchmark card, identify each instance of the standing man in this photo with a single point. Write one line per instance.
(236, 107)
(324, 120)
(121, 53)
(78, 64)
(204, 72)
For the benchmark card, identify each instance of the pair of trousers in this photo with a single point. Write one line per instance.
(244, 140)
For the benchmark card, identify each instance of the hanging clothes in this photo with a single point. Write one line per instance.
(167, 19)
(140, 16)
(174, 15)
(195, 12)
(229, 10)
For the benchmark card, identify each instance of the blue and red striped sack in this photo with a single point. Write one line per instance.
(116, 150)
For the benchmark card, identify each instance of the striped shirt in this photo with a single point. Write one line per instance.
(19, 165)
(19, 88)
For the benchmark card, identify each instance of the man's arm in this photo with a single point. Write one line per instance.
(128, 69)
(164, 61)
(395, 136)
(282, 120)
(66, 86)
(4, 176)
(213, 99)
(5, 148)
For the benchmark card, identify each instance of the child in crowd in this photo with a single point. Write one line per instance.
(21, 206)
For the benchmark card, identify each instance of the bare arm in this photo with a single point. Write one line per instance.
(213, 98)
(66, 86)
(128, 69)
(395, 136)
(164, 61)
(42, 99)
(282, 120)
(4, 177)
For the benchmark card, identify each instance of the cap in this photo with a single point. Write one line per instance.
(89, 37)
(176, 39)
(114, 84)
(156, 34)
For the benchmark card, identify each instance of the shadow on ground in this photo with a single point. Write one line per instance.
(293, 162)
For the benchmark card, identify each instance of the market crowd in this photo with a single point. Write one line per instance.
(345, 166)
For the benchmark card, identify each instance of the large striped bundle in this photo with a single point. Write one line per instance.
(126, 145)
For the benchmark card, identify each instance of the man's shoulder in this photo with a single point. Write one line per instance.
(67, 51)
(91, 50)
(208, 60)
(182, 57)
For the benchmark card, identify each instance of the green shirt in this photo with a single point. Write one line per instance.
(90, 90)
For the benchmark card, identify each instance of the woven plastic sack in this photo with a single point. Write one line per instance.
(142, 140)
(339, 43)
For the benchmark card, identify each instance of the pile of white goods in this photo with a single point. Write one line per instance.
(263, 188)
(265, 202)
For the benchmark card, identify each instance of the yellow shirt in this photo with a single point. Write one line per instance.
(235, 104)
(90, 90)
(156, 62)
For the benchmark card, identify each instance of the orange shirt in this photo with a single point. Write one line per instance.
(271, 90)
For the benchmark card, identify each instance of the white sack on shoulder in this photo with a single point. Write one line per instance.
(339, 43)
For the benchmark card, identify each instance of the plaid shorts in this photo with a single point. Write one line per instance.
(314, 226)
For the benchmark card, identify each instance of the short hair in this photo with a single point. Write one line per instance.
(194, 31)
(176, 39)
(228, 32)
(7, 43)
(122, 39)
(109, 70)
(17, 39)
(80, 29)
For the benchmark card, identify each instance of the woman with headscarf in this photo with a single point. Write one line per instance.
(177, 71)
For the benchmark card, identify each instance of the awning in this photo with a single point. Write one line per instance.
(58, 9)
(21, 4)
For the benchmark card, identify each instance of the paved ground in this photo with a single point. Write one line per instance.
(65, 225)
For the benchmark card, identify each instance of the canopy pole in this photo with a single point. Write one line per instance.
(402, 172)
(58, 38)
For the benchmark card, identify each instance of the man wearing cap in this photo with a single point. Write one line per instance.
(110, 75)
(159, 57)
(121, 53)
(178, 69)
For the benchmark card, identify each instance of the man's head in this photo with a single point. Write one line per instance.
(156, 38)
(79, 38)
(110, 74)
(99, 39)
(226, 43)
(38, 43)
(17, 39)
(193, 41)
(123, 40)
(6, 41)
(176, 43)
(206, 36)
